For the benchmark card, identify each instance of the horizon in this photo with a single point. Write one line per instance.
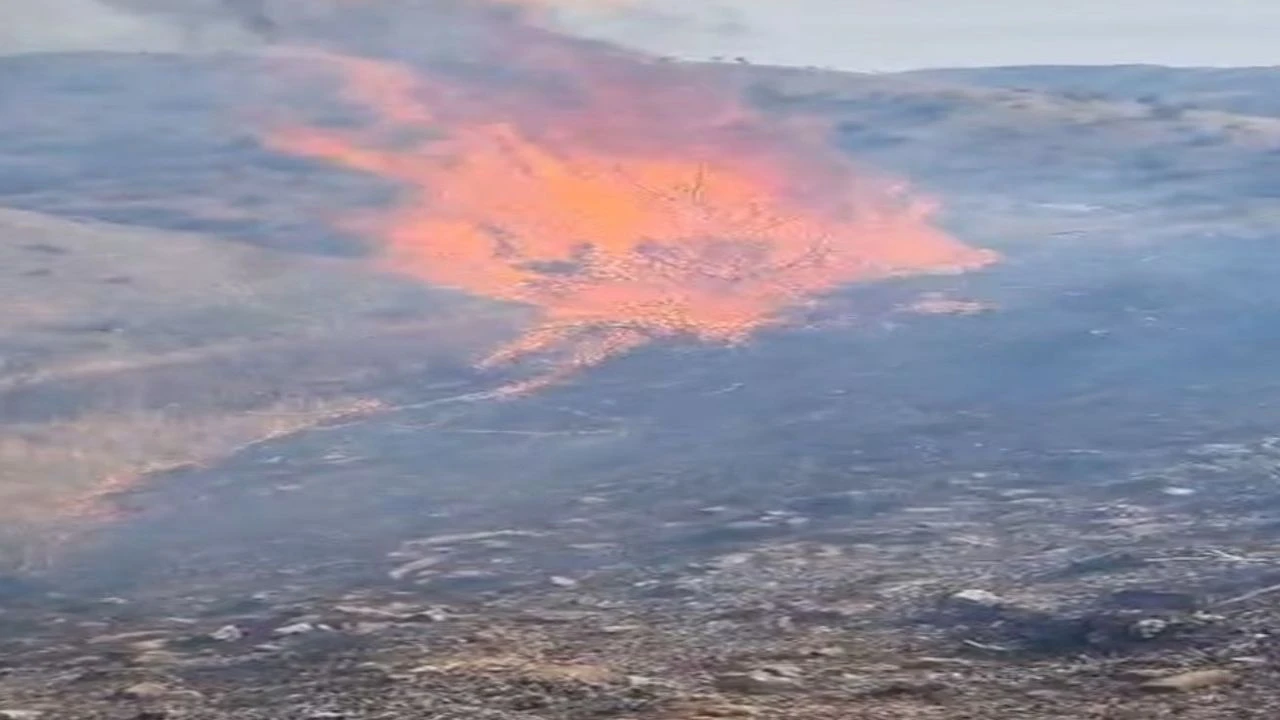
(877, 36)
(884, 36)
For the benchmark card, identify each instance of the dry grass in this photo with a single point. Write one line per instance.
(127, 351)
(56, 474)
(96, 295)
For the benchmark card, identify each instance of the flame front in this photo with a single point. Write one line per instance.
(626, 200)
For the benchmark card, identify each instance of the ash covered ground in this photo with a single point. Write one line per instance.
(1060, 505)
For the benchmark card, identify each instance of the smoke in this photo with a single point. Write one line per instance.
(70, 25)
(626, 200)
(32, 26)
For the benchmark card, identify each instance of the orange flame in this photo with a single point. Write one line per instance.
(625, 199)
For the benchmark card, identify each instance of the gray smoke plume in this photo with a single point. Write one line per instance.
(132, 25)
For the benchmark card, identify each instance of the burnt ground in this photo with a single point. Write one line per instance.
(1063, 508)
(1032, 513)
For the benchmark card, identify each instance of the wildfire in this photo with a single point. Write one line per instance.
(625, 199)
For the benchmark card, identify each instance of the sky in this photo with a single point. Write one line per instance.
(70, 25)
(867, 35)
(888, 35)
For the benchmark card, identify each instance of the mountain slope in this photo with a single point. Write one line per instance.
(1244, 91)
(125, 349)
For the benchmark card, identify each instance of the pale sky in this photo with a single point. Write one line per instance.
(905, 34)
(847, 34)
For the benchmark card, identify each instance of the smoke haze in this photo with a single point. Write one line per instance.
(868, 35)
(127, 26)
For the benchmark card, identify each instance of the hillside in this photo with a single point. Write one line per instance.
(128, 350)
(970, 140)
(1243, 91)
(246, 473)
(143, 139)
(227, 285)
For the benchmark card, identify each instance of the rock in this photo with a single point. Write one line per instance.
(434, 615)
(695, 710)
(903, 688)
(129, 637)
(1255, 660)
(301, 628)
(977, 598)
(783, 670)
(563, 582)
(936, 663)
(730, 560)
(583, 674)
(684, 587)
(21, 714)
(759, 682)
(414, 567)
(641, 681)
(374, 669)
(157, 657)
(227, 633)
(593, 547)
(144, 691)
(749, 528)
(1187, 681)
(456, 539)
(1149, 629)
(149, 645)
(1141, 674)
(372, 612)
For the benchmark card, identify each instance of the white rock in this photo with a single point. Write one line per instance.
(983, 598)
(1149, 629)
(757, 682)
(227, 633)
(145, 691)
(414, 567)
(294, 629)
(1188, 681)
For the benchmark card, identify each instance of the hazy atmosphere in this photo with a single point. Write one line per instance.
(862, 35)
(896, 34)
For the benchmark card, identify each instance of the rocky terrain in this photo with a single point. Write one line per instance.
(1060, 505)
